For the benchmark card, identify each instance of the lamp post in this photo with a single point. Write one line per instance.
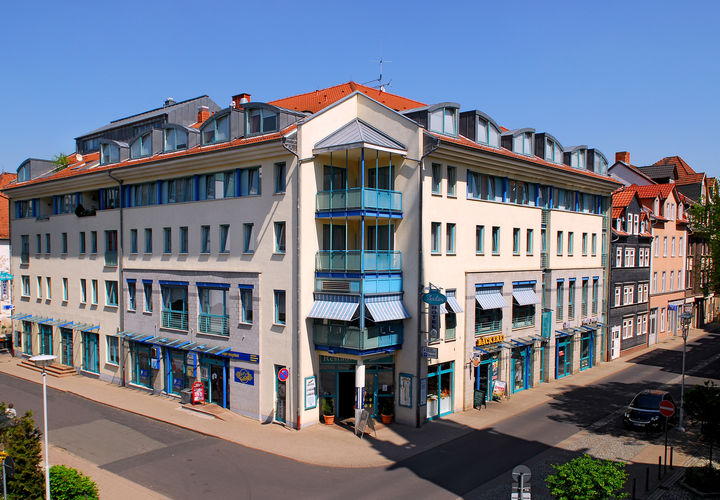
(44, 359)
(685, 318)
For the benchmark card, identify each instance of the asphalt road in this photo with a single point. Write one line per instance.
(183, 464)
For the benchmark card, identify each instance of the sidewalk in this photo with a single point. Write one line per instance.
(392, 443)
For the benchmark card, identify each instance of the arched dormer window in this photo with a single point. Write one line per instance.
(141, 147)
(443, 119)
(519, 141)
(553, 151)
(109, 153)
(600, 163)
(23, 173)
(261, 120)
(216, 129)
(174, 138)
(576, 157)
(487, 132)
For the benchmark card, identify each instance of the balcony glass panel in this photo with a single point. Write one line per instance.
(357, 198)
(352, 337)
(213, 323)
(523, 321)
(483, 327)
(350, 260)
(177, 320)
(111, 258)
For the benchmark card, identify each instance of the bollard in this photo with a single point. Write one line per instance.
(659, 468)
(633, 490)
(647, 478)
(671, 457)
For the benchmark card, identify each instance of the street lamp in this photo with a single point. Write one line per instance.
(44, 359)
(685, 318)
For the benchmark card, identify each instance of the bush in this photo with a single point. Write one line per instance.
(587, 478)
(21, 440)
(67, 483)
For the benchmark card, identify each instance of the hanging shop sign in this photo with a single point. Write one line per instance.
(245, 376)
(430, 352)
(310, 393)
(434, 298)
(242, 356)
(489, 339)
(198, 392)
(475, 361)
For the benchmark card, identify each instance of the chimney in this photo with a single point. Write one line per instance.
(623, 156)
(169, 101)
(241, 99)
(203, 114)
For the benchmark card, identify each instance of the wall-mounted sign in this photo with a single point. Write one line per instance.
(430, 352)
(405, 396)
(489, 339)
(283, 374)
(242, 356)
(434, 298)
(310, 393)
(423, 392)
(245, 376)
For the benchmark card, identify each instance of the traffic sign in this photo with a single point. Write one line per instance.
(667, 409)
(283, 374)
(430, 352)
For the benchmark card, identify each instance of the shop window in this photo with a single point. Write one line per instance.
(440, 390)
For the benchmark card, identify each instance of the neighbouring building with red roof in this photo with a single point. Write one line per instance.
(273, 252)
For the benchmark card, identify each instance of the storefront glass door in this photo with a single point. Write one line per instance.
(440, 390)
(27, 337)
(485, 377)
(586, 350)
(176, 375)
(213, 377)
(563, 365)
(140, 354)
(46, 341)
(66, 346)
(91, 352)
(520, 363)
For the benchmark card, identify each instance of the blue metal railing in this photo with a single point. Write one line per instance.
(351, 260)
(358, 198)
(177, 320)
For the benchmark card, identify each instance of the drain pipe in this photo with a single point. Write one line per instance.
(296, 309)
(121, 294)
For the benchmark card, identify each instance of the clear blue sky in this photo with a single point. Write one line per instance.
(641, 76)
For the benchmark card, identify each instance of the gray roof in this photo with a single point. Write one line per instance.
(202, 100)
(357, 134)
(692, 191)
(659, 171)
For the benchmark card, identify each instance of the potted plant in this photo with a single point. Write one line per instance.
(386, 410)
(328, 411)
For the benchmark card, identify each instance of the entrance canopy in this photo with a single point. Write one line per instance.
(386, 308)
(20, 316)
(490, 298)
(565, 332)
(338, 307)
(183, 344)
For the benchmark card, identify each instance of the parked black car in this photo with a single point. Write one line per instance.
(644, 411)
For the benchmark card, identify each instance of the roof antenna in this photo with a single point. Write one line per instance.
(380, 85)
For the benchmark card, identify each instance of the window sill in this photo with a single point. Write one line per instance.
(244, 323)
(249, 252)
(434, 193)
(111, 305)
(496, 254)
(147, 312)
(435, 253)
(516, 254)
(214, 335)
(224, 252)
(279, 192)
(282, 325)
(278, 253)
(112, 363)
(454, 196)
(451, 340)
(452, 254)
(205, 253)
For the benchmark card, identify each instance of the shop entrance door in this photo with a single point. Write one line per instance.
(615, 343)
(652, 338)
(520, 369)
(586, 351)
(484, 381)
(564, 358)
(212, 373)
(66, 347)
(346, 395)
(46, 343)
(217, 383)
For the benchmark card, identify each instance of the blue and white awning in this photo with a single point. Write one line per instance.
(386, 308)
(525, 295)
(338, 307)
(453, 303)
(490, 298)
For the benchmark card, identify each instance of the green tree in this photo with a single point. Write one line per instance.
(21, 440)
(587, 478)
(67, 483)
(61, 160)
(702, 405)
(705, 216)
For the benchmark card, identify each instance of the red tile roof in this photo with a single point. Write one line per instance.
(690, 179)
(683, 169)
(653, 190)
(321, 99)
(617, 212)
(5, 179)
(622, 198)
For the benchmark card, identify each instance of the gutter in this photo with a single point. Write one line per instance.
(121, 294)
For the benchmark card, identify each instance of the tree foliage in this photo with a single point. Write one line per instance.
(702, 405)
(21, 440)
(61, 160)
(705, 216)
(67, 483)
(587, 478)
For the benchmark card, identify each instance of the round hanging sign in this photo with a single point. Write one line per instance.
(434, 298)
(283, 374)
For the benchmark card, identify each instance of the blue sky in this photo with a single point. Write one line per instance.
(633, 75)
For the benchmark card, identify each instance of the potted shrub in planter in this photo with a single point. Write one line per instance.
(386, 410)
(328, 411)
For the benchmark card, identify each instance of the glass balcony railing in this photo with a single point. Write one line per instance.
(213, 323)
(25, 257)
(483, 327)
(356, 261)
(523, 321)
(111, 258)
(352, 337)
(177, 320)
(357, 198)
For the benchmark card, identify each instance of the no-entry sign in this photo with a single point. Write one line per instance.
(667, 409)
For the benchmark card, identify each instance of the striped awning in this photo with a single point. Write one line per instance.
(453, 303)
(490, 298)
(386, 308)
(338, 307)
(525, 295)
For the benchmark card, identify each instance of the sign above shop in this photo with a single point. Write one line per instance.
(489, 339)
(245, 376)
(242, 356)
(283, 374)
(434, 298)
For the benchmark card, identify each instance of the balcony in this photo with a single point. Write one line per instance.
(352, 338)
(523, 321)
(491, 326)
(111, 258)
(177, 320)
(376, 200)
(213, 323)
(358, 261)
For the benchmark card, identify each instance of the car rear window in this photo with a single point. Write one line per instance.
(647, 401)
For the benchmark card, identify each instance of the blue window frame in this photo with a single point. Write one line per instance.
(141, 147)
(204, 239)
(218, 130)
(111, 293)
(440, 392)
(113, 350)
(261, 121)
(496, 240)
(147, 294)
(435, 237)
(279, 237)
(109, 153)
(279, 307)
(82, 241)
(247, 238)
(63, 243)
(91, 352)
(175, 138)
(249, 183)
(246, 305)
(167, 240)
(183, 239)
(213, 316)
(479, 240)
(133, 241)
(140, 355)
(175, 306)
(224, 234)
(93, 242)
(132, 295)
(148, 240)
(280, 173)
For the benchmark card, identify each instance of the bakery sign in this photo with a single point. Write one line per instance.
(489, 339)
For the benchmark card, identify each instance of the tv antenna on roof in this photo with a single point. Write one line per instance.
(380, 85)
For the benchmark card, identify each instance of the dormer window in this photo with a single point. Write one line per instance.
(175, 138)
(141, 147)
(218, 130)
(444, 121)
(577, 158)
(109, 153)
(487, 133)
(553, 151)
(656, 207)
(619, 223)
(523, 144)
(600, 165)
(261, 121)
(23, 173)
